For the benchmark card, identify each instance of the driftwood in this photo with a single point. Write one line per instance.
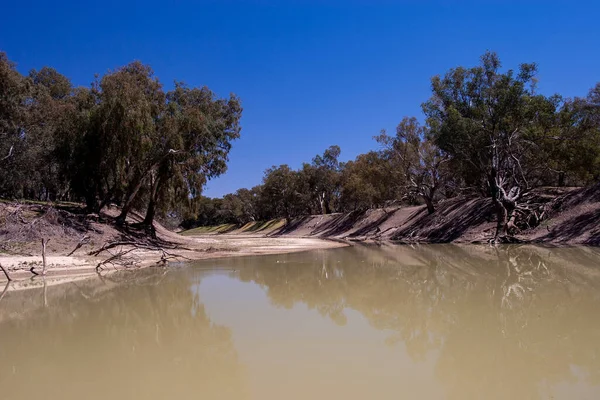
(116, 259)
(83, 241)
(166, 256)
(44, 243)
(109, 245)
(5, 273)
(135, 245)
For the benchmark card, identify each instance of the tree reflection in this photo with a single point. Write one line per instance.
(503, 322)
(150, 338)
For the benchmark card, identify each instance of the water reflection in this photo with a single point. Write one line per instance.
(505, 323)
(473, 322)
(143, 335)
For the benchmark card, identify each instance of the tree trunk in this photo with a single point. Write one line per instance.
(495, 193)
(429, 203)
(132, 191)
(44, 243)
(151, 211)
(321, 197)
(561, 179)
(327, 206)
(502, 218)
(505, 205)
(91, 204)
(129, 198)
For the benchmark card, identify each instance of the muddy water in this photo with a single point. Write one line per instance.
(430, 322)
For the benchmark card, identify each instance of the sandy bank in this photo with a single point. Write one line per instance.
(197, 248)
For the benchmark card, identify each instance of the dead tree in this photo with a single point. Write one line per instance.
(44, 243)
(32, 269)
(117, 258)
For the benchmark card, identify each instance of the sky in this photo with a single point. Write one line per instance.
(310, 74)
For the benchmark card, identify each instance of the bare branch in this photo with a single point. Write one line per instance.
(84, 240)
(10, 153)
(114, 259)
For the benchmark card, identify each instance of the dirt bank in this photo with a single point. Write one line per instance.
(74, 238)
(572, 217)
(77, 242)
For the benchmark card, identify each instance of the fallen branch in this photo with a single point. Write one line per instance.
(84, 240)
(113, 259)
(110, 245)
(5, 273)
(166, 256)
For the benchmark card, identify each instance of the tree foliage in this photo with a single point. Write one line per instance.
(487, 132)
(123, 140)
(128, 141)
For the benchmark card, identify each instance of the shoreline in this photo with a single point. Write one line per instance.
(65, 269)
(72, 269)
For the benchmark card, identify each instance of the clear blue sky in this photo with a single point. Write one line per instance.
(310, 73)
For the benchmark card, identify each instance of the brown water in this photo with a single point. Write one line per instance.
(430, 322)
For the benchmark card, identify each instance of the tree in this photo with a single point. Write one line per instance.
(47, 114)
(240, 206)
(419, 160)
(196, 131)
(280, 194)
(572, 147)
(31, 110)
(127, 125)
(482, 118)
(13, 93)
(368, 182)
(322, 178)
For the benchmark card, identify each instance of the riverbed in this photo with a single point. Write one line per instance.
(381, 322)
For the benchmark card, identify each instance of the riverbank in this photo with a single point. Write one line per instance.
(79, 244)
(75, 243)
(569, 216)
(19, 266)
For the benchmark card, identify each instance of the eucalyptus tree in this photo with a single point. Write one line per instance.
(322, 177)
(131, 102)
(367, 182)
(282, 194)
(573, 147)
(31, 109)
(48, 112)
(419, 163)
(196, 134)
(13, 94)
(483, 119)
(145, 146)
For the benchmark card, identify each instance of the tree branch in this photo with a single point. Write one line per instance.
(10, 153)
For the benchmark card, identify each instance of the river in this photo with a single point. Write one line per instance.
(364, 322)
